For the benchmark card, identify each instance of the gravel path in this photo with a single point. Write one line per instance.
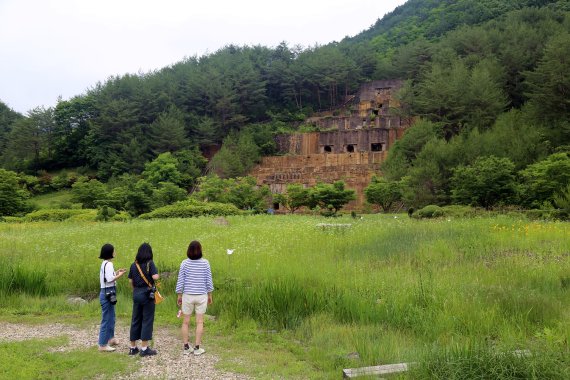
(170, 363)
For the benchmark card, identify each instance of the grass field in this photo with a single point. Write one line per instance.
(455, 296)
(52, 200)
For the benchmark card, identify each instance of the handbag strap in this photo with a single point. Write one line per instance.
(142, 275)
(105, 278)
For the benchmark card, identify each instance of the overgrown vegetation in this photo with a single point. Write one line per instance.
(454, 295)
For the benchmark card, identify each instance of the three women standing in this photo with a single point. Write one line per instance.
(108, 298)
(194, 288)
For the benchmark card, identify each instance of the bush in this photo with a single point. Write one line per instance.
(430, 211)
(57, 215)
(11, 219)
(192, 208)
(88, 215)
(458, 211)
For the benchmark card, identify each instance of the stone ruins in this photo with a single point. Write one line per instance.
(351, 143)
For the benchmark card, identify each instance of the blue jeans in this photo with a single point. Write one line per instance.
(107, 330)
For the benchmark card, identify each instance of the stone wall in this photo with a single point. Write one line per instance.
(355, 169)
(352, 144)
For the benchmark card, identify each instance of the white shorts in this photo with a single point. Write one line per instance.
(194, 301)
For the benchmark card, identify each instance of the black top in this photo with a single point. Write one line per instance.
(149, 269)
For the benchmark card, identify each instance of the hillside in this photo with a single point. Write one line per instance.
(484, 78)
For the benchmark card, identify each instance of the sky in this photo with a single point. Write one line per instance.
(53, 48)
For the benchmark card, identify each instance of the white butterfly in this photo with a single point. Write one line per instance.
(229, 251)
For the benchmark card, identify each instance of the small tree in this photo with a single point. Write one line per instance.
(383, 193)
(543, 179)
(12, 197)
(330, 197)
(88, 193)
(488, 181)
(168, 193)
(296, 197)
(164, 168)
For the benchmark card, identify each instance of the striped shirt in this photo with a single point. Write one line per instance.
(194, 277)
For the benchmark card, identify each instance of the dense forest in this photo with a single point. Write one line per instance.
(487, 81)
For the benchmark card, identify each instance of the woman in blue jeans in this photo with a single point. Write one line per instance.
(143, 306)
(107, 279)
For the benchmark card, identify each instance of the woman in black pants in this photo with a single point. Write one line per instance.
(143, 306)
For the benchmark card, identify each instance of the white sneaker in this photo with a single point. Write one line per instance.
(188, 351)
(199, 351)
(106, 348)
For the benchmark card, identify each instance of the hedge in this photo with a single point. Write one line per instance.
(192, 208)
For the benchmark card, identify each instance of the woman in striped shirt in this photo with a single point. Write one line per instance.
(194, 288)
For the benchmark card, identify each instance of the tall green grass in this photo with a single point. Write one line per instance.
(389, 288)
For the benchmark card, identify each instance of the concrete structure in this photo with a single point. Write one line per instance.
(350, 145)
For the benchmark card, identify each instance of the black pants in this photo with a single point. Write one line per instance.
(143, 315)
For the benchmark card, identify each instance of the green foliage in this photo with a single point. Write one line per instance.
(548, 85)
(297, 196)
(383, 193)
(408, 288)
(238, 155)
(58, 215)
(489, 181)
(430, 211)
(484, 362)
(164, 168)
(88, 192)
(192, 208)
(63, 180)
(168, 132)
(168, 193)
(542, 180)
(406, 149)
(562, 201)
(12, 197)
(330, 197)
(49, 363)
(7, 119)
(242, 192)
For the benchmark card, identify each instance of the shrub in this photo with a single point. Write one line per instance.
(458, 211)
(87, 216)
(12, 219)
(192, 208)
(430, 211)
(57, 215)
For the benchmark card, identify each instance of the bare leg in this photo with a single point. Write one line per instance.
(144, 344)
(199, 328)
(185, 323)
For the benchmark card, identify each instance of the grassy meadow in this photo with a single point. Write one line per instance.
(456, 296)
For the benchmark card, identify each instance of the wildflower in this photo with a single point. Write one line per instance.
(229, 251)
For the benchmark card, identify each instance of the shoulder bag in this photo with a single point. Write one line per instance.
(154, 294)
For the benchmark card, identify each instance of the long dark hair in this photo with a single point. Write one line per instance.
(144, 254)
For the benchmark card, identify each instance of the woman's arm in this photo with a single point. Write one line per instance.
(155, 276)
(119, 274)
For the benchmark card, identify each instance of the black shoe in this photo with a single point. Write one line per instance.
(148, 352)
(134, 351)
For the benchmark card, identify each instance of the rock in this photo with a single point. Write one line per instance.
(221, 221)
(76, 301)
(353, 355)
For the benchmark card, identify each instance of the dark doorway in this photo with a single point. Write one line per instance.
(328, 148)
(350, 148)
(375, 147)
